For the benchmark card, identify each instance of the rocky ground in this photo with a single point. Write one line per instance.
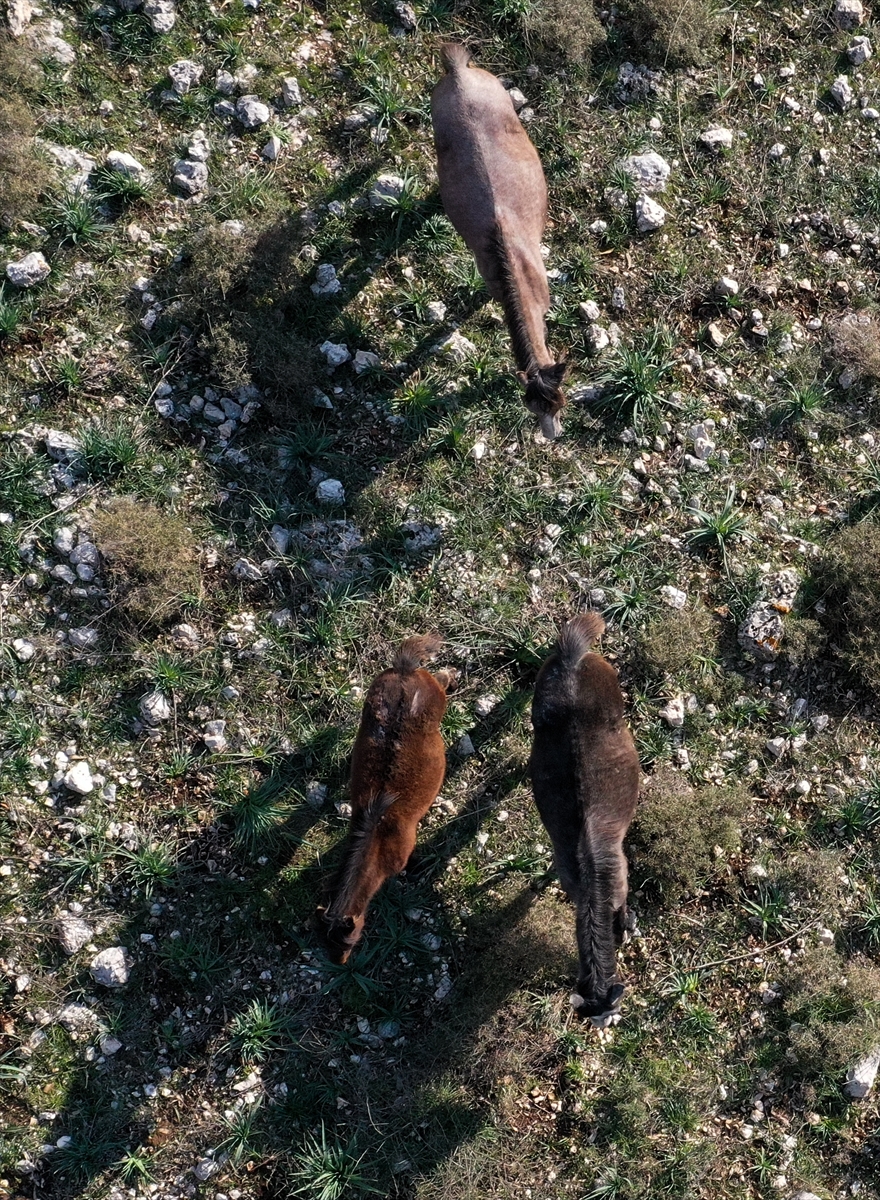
(258, 425)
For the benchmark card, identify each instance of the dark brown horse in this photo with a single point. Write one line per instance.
(397, 768)
(585, 776)
(494, 193)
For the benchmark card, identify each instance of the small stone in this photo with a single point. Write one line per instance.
(406, 15)
(673, 596)
(272, 148)
(204, 1169)
(703, 445)
(386, 190)
(716, 138)
(826, 937)
(673, 712)
(859, 51)
(464, 747)
(714, 335)
(190, 177)
(618, 299)
(517, 98)
(776, 746)
(649, 172)
(110, 1045)
(19, 14)
(435, 312)
(184, 74)
(112, 967)
(214, 736)
(290, 92)
(725, 286)
(224, 82)
(28, 271)
(649, 215)
(252, 112)
(84, 638)
(365, 360)
(477, 451)
(74, 933)
(247, 571)
(106, 107)
(486, 704)
(64, 539)
(335, 353)
(842, 93)
(79, 778)
(596, 339)
(162, 15)
(126, 164)
(590, 310)
(279, 539)
(199, 148)
(23, 650)
(316, 794)
(330, 491)
(777, 151)
(861, 1075)
(62, 572)
(155, 708)
(455, 348)
(848, 14)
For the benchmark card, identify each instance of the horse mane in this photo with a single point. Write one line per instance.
(363, 827)
(512, 305)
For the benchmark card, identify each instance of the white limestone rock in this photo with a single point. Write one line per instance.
(327, 284)
(717, 138)
(73, 933)
(848, 14)
(112, 967)
(455, 348)
(330, 491)
(190, 177)
(214, 736)
(650, 215)
(126, 164)
(861, 1075)
(859, 51)
(335, 353)
(185, 74)
(649, 172)
(252, 112)
(28, 271)
(842, 93)
(386, 190)
(78, 778)
(162, 15)
(155, 708)
(84, 638)
(290, 92)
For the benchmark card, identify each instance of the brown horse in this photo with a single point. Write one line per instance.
(397, 768)
(585, 776)
(494, 193)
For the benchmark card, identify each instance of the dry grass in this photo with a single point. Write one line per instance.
(672, 33)
(673, 838)
(23, 174)
(855, 346)
(239, 295)
(671, 643)
(565, 27)
(849, 580)
(150, 557)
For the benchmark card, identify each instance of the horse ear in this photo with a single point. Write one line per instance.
(559, 370)
(523, 378)
(347, 924)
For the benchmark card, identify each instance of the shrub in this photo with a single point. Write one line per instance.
(239, 295)
(848, 579)
(672, 33)
(832, 1004)
(565, 27)
(150, 558)
(672, 643)
(24, 176)
(676, 829)
(854, 345)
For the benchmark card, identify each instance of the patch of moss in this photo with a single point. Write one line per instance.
(150, 558)
(676, 829)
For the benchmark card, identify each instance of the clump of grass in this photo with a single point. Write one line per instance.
(150, 557)
(675, 642)
(634, 383)
(120, 189)
(802, 402)
(260, 1030)
(564, 27)
(239, 296)
(673, 33)
(716, 531)
(848, 581)
(833, 1007)
(677, 828)
(108, 450)
(73, 218)
(325, 1169)
(855, 346)
(24, 175)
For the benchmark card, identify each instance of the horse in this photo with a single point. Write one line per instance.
(397, 767)
(493, 190)
(585, 777)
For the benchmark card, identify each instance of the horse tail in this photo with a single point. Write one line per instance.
(578, 637)
(455, 57)
(599, 867)
(415, 651)
(364, 824)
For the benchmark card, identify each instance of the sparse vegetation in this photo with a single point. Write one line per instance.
(848, 582)
(674, 33)
(24, 174)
